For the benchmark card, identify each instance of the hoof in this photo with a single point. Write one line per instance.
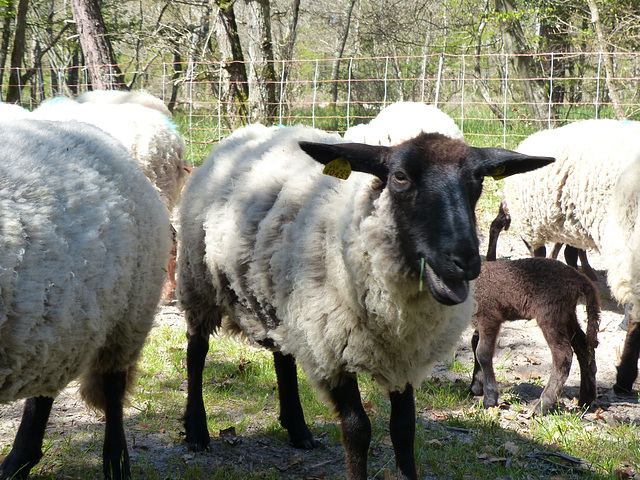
(622, 390)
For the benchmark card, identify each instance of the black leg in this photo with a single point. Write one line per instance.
(27, 446)
(195, 417)
(477, 385)
(571, 256)
(628, 368)
(356, 427)
(501, 222)
(540, 252)
(115, 456)
(403, 432)
(291, 414)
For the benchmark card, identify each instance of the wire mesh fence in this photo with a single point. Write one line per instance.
(488, 95)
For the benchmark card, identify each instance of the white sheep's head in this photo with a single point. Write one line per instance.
(434, 183)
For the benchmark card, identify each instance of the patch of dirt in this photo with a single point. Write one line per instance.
(522, 363)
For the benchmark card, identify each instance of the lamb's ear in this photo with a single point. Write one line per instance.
(362, 158)
(499, 163)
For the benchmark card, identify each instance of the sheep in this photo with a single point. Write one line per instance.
(547, 290)
(117, 97)
(401, 121)
(84, 243)
(12, 111)
(567, 202)
(620, 249)
(152, 140)
(328, 273)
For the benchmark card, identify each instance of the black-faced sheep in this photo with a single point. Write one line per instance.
(84, 239)
(327, 272)
(548, 291)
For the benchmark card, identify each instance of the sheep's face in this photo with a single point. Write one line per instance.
(434, 183)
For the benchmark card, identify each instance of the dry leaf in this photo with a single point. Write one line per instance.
(229, 436)
(511, 447)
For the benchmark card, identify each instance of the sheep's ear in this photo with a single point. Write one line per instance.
(361, 157)
(499, 163)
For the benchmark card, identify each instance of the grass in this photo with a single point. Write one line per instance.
(456, 437)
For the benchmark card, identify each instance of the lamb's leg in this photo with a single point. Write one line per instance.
(356, 427)
(556, 250)
(115, 457)
(195, 417)
(488, 331)
(587, 362)
(291, 414)
(27, 446)
(403, 432)
(628, 368)
(476, 379)
(556, 334)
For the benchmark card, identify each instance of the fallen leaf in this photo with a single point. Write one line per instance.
(488, 458)
(526, 376)
(295, 460)
(511, 447)
(229, 436)
(371, 407)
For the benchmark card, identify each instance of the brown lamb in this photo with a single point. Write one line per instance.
(547, 290)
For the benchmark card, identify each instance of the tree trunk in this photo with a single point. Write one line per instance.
(263, 80)
(335, 68)
(234, 84)
(524, 66)
(289, 42)
(104, 73)
(6, 38)
(482, 85)
(608, 63)
(17, 53)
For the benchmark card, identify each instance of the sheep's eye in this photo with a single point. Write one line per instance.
(400, 177)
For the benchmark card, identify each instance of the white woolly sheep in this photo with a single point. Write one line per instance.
(547, 290)
(152, 140)
(567, 201)
(327, 272)
(84, 243)
(401, 121)
(574, 200)
(11, 111)
(622, 261)
(117, 97)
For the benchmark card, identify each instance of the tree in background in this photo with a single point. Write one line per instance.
(104, 71)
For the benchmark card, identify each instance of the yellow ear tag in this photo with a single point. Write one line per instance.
(339, 168)
(497, 174)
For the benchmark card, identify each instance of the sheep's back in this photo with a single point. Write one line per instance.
(152, 140)
(84, 239)
(568, 200)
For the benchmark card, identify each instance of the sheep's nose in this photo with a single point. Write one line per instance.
(467, 264)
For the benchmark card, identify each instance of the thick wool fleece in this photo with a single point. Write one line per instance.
(152, 140)
(117, 97)
(622, 236)
(402, 121)
(306, 263)
(568, 201)
(84, 239)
